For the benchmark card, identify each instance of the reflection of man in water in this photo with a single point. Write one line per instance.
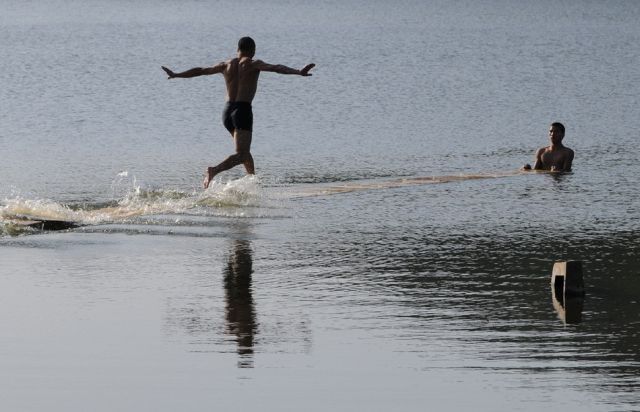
(241, 317)
(556, 157)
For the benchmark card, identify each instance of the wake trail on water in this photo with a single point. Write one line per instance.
(235, 198)
(348, 187)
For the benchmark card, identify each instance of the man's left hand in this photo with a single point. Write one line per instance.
(305, 70)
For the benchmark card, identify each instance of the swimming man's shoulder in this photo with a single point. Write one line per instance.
(541, 151)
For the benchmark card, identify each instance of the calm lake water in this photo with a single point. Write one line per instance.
(388, 255)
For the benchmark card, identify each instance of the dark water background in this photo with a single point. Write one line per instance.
(248, 296)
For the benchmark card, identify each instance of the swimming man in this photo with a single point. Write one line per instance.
(556, 157)
(241, 78)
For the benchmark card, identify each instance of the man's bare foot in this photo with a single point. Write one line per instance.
(208, 176)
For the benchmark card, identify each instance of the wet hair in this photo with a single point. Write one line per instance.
(558, 126)
(246, 45)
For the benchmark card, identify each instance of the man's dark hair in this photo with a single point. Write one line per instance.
(246, 45)
(559, 126)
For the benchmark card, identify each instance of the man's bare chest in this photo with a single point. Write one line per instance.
(552, 158)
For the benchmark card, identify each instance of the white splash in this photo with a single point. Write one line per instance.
(243, 192)
(244, 197)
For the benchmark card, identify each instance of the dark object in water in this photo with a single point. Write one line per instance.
(570, 274)
(567, 290)
(46, 224)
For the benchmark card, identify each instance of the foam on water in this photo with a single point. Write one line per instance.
(243, 192)
(220, 199)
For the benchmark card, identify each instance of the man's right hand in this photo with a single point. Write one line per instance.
(169, 72)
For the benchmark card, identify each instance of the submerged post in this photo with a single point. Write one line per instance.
(567, 290)
(569, 274)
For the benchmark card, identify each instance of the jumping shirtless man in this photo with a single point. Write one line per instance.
(555, 157)
(241, 77)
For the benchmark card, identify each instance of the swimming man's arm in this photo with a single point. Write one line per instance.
(282, 69)
(568, 161)
(197, 71)
(538, 164)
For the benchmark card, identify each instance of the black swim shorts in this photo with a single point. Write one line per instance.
(237, 115)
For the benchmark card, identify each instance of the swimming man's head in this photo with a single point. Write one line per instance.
(556, 133)
(246, 46)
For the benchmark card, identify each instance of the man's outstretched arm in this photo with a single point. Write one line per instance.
(282, 69)
(196, 71)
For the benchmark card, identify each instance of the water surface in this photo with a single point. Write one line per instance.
(388, 256)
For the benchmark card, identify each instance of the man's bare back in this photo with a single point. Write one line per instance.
(241, 78)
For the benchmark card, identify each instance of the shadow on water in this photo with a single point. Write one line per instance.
(240, 310)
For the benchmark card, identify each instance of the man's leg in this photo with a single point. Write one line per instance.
(242, 155)
(243, 147)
